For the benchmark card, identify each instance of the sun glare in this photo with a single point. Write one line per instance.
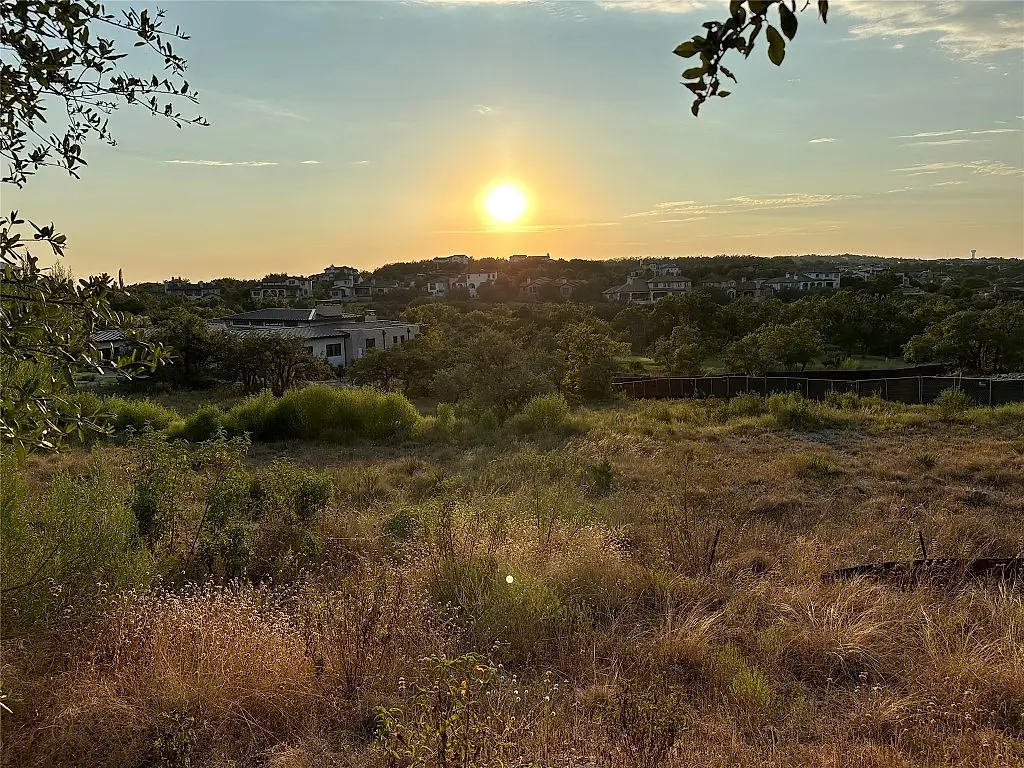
(505, 202)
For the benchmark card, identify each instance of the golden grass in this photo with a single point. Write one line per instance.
(747, 660)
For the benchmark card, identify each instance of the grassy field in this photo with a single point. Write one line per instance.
(543, 594)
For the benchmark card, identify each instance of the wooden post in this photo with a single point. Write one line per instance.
(924, 549)
(920, 390)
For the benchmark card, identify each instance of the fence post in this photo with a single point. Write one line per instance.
(920, 390)
(990, 391)
(886, 388)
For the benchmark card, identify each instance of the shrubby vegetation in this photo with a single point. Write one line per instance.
(611, 583)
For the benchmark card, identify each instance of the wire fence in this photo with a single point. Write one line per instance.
(913, 390)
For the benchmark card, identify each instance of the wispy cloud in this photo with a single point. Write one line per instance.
(898, 47)
(964, 28)
(823, 140)
(223, 163)
(930, 134)
(689, 210)
(996, 130)
(268, 108)
(360, 162)
(983, 167)
(310, 162)
(943, 143)
(483, 109)
(948, 183)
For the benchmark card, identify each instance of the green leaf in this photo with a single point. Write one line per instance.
(723, 94)
(759, 6)
(823, 10)
(693, 73)
(776, 46)
(686, 50)
(788, 20)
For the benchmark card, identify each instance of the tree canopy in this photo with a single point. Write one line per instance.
(739, 32)
(54, 58)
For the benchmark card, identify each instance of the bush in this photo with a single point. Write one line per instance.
(791, 411)
(546, 413)
(327, 414)
(952, 402)
(746, 404)
(62, 547)
(137, 414)
(203, 424)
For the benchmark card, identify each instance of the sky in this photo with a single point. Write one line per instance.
(364, 132)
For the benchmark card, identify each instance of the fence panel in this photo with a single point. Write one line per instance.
(920, 389)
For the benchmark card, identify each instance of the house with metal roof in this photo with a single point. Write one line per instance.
(326, 331)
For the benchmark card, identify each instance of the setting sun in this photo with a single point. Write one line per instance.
(505, 202)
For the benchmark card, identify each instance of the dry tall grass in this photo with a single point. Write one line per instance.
(605, 631)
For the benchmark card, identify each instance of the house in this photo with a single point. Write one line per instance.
(111, 345)
(459, 259)
(803, 282)
(368, 289)
(639, 291)
(718, 281)
(474, 280)
(752, 289)
(438, 285)
(666, 270)
(286, 289)
(326, 331)
(193, 291)
(338, 276)
(539, 287)
(522, 258)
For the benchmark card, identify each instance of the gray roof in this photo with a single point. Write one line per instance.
(295, 332)
(275, 314)
(105, 336)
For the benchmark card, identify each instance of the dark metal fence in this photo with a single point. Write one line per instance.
(915, 389)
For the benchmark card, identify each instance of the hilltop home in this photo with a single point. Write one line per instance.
(326, 331)
(287, 289)
(523, 258)
(474, 280)
(338, 276)
(437, 285)
(537, 287)
(193, 291)
(460, 259)
(804, 282)
(639, 291)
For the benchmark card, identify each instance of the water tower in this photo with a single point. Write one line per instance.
(974, 252)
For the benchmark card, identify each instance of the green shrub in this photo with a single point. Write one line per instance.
(545, 413)
(250, 415)
(325, 413)
(137, 414)
(746, 404)
(64, 545)
(952, 403)
(203, 424)
(791, 411)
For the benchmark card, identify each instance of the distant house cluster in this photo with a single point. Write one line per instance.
(657, 281)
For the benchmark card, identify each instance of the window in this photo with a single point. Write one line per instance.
(334, 350)
(394, 339)
(371, 343)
